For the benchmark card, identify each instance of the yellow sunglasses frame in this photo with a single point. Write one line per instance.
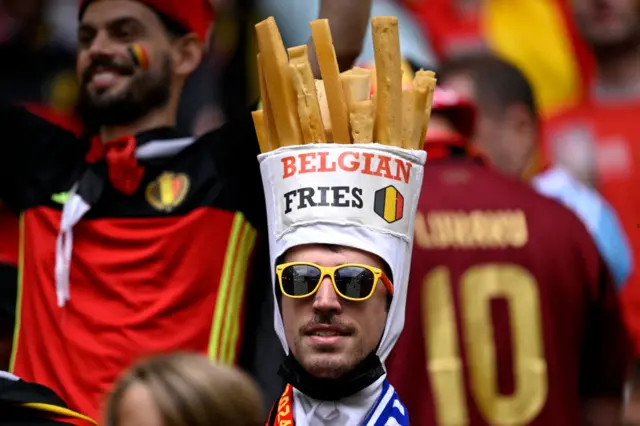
(378, 274)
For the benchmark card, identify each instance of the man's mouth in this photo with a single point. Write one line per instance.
(103, 77)
(326, 334)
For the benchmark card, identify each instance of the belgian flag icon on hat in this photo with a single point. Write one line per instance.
(389, 204)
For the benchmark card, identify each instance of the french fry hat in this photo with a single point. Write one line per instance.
(339, 167)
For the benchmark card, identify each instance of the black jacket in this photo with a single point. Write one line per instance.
(29, 404)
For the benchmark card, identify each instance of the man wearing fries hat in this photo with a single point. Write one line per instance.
(136, 238)
(342, 181)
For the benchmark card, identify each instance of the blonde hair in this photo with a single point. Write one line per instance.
(190, 391)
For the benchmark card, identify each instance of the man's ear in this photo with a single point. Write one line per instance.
(521, 118)
(524, 138)
(187, 55)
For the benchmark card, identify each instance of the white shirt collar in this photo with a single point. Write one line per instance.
(349, 411)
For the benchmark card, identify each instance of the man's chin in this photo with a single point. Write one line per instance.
(328, 365)
(107, 96)
(109, 111)
(118, 83)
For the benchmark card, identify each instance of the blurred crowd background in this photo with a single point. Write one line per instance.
(582, 58)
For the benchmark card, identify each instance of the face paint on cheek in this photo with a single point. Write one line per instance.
(139, 55)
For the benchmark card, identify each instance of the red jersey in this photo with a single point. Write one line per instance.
(611, 130)
(511, 315)
(163, 269)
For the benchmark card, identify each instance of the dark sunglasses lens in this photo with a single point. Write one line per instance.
(354, 282)
(300, 280)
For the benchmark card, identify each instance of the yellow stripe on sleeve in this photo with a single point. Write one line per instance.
(234, 308)
(224, 287)
(60, 411)
(16, 329)
(225, 325)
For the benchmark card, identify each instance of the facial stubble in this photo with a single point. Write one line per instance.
(146, 91)
(328, 362)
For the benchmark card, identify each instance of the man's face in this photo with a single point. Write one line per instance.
(327, 334)
(607, 23)
(113, 90)
(507, 138)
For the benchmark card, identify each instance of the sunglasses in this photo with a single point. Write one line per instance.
(351, 281)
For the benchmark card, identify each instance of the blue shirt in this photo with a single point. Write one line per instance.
(597, 215)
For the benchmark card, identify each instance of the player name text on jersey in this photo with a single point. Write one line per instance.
(475, 229)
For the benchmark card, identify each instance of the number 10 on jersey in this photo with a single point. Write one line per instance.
(477, 287)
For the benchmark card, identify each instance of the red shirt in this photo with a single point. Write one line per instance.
(611, 128)
(511, 315)
(450, 32)
(162, 270)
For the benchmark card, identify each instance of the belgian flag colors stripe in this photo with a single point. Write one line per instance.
(139, 55)
(389, 204)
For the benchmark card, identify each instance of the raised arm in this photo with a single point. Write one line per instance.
(34, 150)
(349, 21)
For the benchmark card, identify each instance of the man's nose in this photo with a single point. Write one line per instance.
(326, 299)
(101, 45)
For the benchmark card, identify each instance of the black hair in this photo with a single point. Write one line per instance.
(497, 83)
